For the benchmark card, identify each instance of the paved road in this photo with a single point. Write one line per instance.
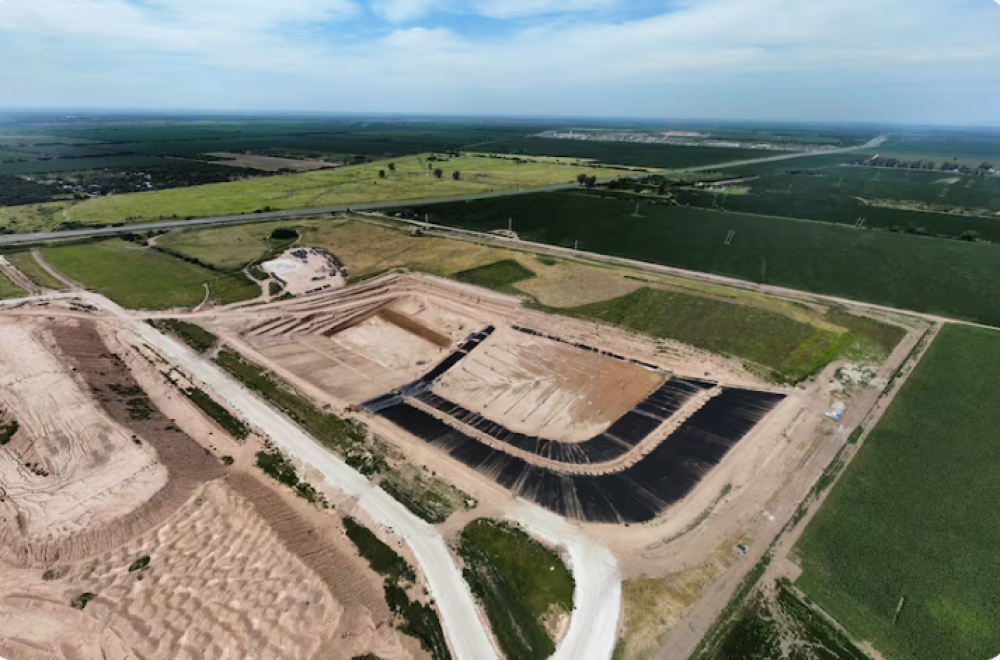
(273, 215)
(378, 206)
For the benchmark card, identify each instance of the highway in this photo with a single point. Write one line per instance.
(10, 239)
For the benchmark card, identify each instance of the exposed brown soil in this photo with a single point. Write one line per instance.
(343, 574)
(539, 387)
(413, 326)
(237, 567)
(188, 466)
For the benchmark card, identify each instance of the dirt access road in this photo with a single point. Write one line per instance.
(280, 215)
(593, 627)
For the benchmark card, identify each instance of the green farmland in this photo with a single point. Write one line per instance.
(411, 179)
(952, 278)
(499, 275)
(790, 350)
(658, 156)
(25, 262)
(908, 526)
(810, 204)
(817, 162)
(141, 278)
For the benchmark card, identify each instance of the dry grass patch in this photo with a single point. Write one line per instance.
(366, 249)
(568, 284)
(653, 607)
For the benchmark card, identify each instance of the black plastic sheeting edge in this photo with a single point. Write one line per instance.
(627, 431)
(647, 365)
(635, 495)
(424, 383)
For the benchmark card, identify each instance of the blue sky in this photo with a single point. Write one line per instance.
(899, 61)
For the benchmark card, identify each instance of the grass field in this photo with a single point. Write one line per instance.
(909, 521)
(32, 217)
(519, 582)
(348, 185)
(952, 278)
(25, 262)
(10, 290)
(228, 248)
(622, 153)
(141, 278)
(497, 275)
(789, 349)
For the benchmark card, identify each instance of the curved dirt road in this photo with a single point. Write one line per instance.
(593, 628)
(597, 600)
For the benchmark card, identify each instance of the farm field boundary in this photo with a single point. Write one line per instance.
(877, 582)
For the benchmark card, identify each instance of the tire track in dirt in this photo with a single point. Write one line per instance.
(189, 466)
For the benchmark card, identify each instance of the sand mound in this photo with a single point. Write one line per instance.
(125, 491)
(219, 583)
(69, 466)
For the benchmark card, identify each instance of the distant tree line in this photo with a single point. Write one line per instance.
(945, 166)
(15, 191)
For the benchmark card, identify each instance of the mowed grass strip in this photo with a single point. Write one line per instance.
(520, 583)
(413, 178)
(789, 349)
(947, 277)
(141, 278)
(498, 275)
(913, 516)
(25, 262)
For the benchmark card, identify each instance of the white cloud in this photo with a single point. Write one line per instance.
(401, 11)
(524, 8)
(712, 58)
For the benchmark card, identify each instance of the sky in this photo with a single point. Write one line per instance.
(884, 61)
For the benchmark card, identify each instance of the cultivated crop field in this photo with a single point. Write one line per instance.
(967, 149)
(658, 156)
(952, 278)
(845, 195)
(900, 553)
(142, 278)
